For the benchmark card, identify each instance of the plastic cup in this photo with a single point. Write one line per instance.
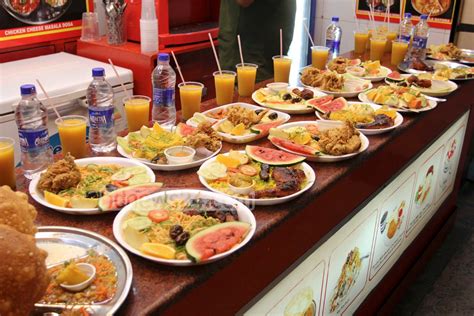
(90, 27)
(377, 47)
(281, 68)
(7, 161)
(72, 133)
(225, 82)
(137, 110)
(190, 93)
(399, 50)
(319, 56)
(361, 40)
(246, 74)
(390, 37)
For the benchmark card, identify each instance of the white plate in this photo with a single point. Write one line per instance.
(323, 125)
(38, 196)
(431, 105)
(398, 121)
(251, 136)
(244, 213)
(289, 108)
(310, 177)
(439, 88)
(347, 94)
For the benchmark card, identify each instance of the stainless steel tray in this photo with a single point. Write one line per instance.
(102, 245)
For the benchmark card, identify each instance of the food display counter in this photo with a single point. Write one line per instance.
(312, 237)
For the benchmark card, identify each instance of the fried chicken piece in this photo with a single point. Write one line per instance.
(15, 211)
(23, 275)
(204, 136)
(61, 175)
(340, 141)
(248, 117)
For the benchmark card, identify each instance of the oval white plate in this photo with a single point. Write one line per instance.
(431, 104)
(347, 94)
(244, 213)
(289, 108)
(322, 125)
(38, 196)
(310, 177)
(398, 121)
(444, 87)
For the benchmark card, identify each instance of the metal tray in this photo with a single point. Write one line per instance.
(406, 67)
(102, 245)
(468, 53)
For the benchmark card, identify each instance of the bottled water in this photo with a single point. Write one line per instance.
(333, 37)
(100, 98)
(32, 121)
(164, 80)
(406, 28)
(420, 38)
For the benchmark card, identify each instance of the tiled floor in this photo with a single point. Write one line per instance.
(446, 286)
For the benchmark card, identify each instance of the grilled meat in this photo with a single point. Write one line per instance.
(288, 181)
(380, 121)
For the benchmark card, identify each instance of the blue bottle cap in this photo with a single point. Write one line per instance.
(98, 72)
(408, 15)
(163, 57)
(424, 17)
(335, 19)
(27, 89)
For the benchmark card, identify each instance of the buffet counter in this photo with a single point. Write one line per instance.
(288, 233)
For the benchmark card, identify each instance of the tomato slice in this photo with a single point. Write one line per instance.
(158, 216)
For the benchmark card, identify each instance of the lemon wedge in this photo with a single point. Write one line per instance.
(158, 250)
(55, 199)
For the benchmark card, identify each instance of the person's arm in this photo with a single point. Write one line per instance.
(244, 3)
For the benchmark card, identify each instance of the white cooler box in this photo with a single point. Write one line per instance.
(65, 78)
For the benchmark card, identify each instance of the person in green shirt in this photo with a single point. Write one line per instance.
(258, 22)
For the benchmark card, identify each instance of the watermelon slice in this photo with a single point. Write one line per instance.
(320, 101)
(263, 128)
(395, 76)
(117, 199)
(291, 145)
(334, 105)
(271, 156)
(354, 62)
(184, 129)
(216, 239)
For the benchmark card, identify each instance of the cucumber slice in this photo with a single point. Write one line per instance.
(138, 223)
(139, 179)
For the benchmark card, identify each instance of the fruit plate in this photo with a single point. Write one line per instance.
(385, 72)
(353, 86)
(310, 176)
(65, 243)
(244, 214)
(439, 88)
(398, 121)
(242, 139)
(323, 125)
(39, 197)
(287, 108)
(431, 105)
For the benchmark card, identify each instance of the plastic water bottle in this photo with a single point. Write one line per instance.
(100, 97)
(32, 121)
(420, 38)
(164, 80)
(406, 28)
(333, 37)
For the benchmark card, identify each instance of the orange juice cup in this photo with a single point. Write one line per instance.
(360, 41)
(399, 50)
(281, 68)
(370, 32)
(390, 37)
(72, 133)
(377, 47)
(7, 161)
(190, 93)
(224, 82)
(246, 74)
(137, 109)
(319, 56)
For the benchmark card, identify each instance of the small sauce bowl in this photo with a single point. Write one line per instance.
(277, 86)
(241, 190)
(356, 71)
(89, 270)
(179, 154)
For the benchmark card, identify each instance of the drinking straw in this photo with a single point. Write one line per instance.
(51, 105)
(281, 43)
(309, 34)
(357, 23)
(177, 67)
(215, 53)
(240, 50)
(371, 17)
(127, 93)
(388, 17)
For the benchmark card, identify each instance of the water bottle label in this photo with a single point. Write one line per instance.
(102, 118)
(405, 38)
(420, 42)
(32, 139)
(163, 97)
(333, 45)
